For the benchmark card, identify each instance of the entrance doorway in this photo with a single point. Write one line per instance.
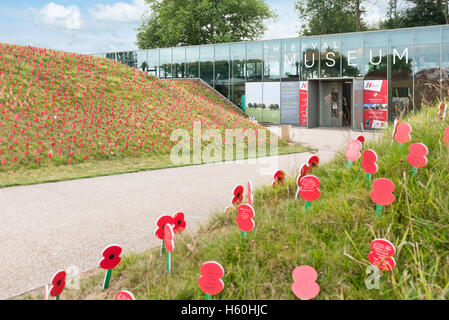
(336, 102)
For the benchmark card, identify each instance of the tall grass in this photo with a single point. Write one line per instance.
(333, 236)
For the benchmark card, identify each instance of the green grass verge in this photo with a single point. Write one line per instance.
(333, 237)
(96, 168)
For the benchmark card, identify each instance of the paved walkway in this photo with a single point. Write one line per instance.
(52, 226)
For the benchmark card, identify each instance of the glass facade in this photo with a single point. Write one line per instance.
(414, 62)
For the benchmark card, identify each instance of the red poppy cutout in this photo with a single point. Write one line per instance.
(382, 193)
(238, 195)
(369, 161)
(124, 295)
(381, 255)
(161, 222)
(361, 139)
(353, 150)
(250, 193)
(309, 188)
(417, 156)
(179, 223)
(210, 281)
(168, 238)
(304, 285)
(279, 178)
(402, 134)
(245, 217)
(313, 161)
(58, 283)
(442, 111)
(111, 256)
(446, 137)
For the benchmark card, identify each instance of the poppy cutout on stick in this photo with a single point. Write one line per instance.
(308, 189)
(111, 258)
(179, 223)
(446, 137)
(382, 194)
(279, 178)
(417, 156)
(402, 133)
(238, 195)
(159, 232)
(353, 151)
(442, 109)
(210, 281)
(57, 285)
(304, 285)
(369, 164)
(169, 243)
(124, 295)
(381, 255)
(313, 162)
(244, 218)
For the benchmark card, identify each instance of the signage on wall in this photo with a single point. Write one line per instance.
(375, 104)
(303, 89)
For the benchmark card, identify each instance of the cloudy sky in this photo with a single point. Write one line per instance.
(92, 26)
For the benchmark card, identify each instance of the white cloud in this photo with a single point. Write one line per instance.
(57, 15)
(119, 11)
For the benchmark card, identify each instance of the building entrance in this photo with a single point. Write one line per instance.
(335, 103)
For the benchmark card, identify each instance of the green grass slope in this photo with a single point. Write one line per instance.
(66, 115)
(333, 236)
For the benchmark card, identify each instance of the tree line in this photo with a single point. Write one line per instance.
(173, 23)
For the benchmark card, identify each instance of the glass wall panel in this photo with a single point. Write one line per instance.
(128, 58)
(192, 62)
(272, 61)
(179, 59)
(142, 60)
(376, 56)
(445, 34)
(153, 61)
(353, 55)
(238, 71)
(401, 61)
(427, 36)
(445, 63)
(290, 60)
(207, 64)
(427, 74)
(330, 63)
(271, 112)
(222, 69)
(310, 58)
(165, 63)
(254, 61)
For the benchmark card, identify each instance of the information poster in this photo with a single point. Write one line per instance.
(303, 103)
(375, 104)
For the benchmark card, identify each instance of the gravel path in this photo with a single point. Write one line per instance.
(52, 226)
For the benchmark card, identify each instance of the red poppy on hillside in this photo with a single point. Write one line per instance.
(58, 283)
(279, 177)
(111, 256)
(238, 195)
(161, 222)
(180, 223)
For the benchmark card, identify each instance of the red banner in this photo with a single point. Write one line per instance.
(376, 104)
(303, 103)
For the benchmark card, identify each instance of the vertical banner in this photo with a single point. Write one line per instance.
(303, 103)
(375, 104)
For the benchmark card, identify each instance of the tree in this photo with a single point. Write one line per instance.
(194, 22)
(324, 16)
(420, 13)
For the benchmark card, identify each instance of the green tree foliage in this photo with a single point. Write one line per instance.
(420, 13)
(325, 17)
(193, 22)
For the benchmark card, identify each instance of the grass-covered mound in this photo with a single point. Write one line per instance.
(333, 237)
(66, 115)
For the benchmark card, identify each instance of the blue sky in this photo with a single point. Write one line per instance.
(90, 26)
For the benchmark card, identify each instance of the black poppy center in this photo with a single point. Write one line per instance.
(238, 195)
(58, 283)
(179, 222)
(111, 256)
